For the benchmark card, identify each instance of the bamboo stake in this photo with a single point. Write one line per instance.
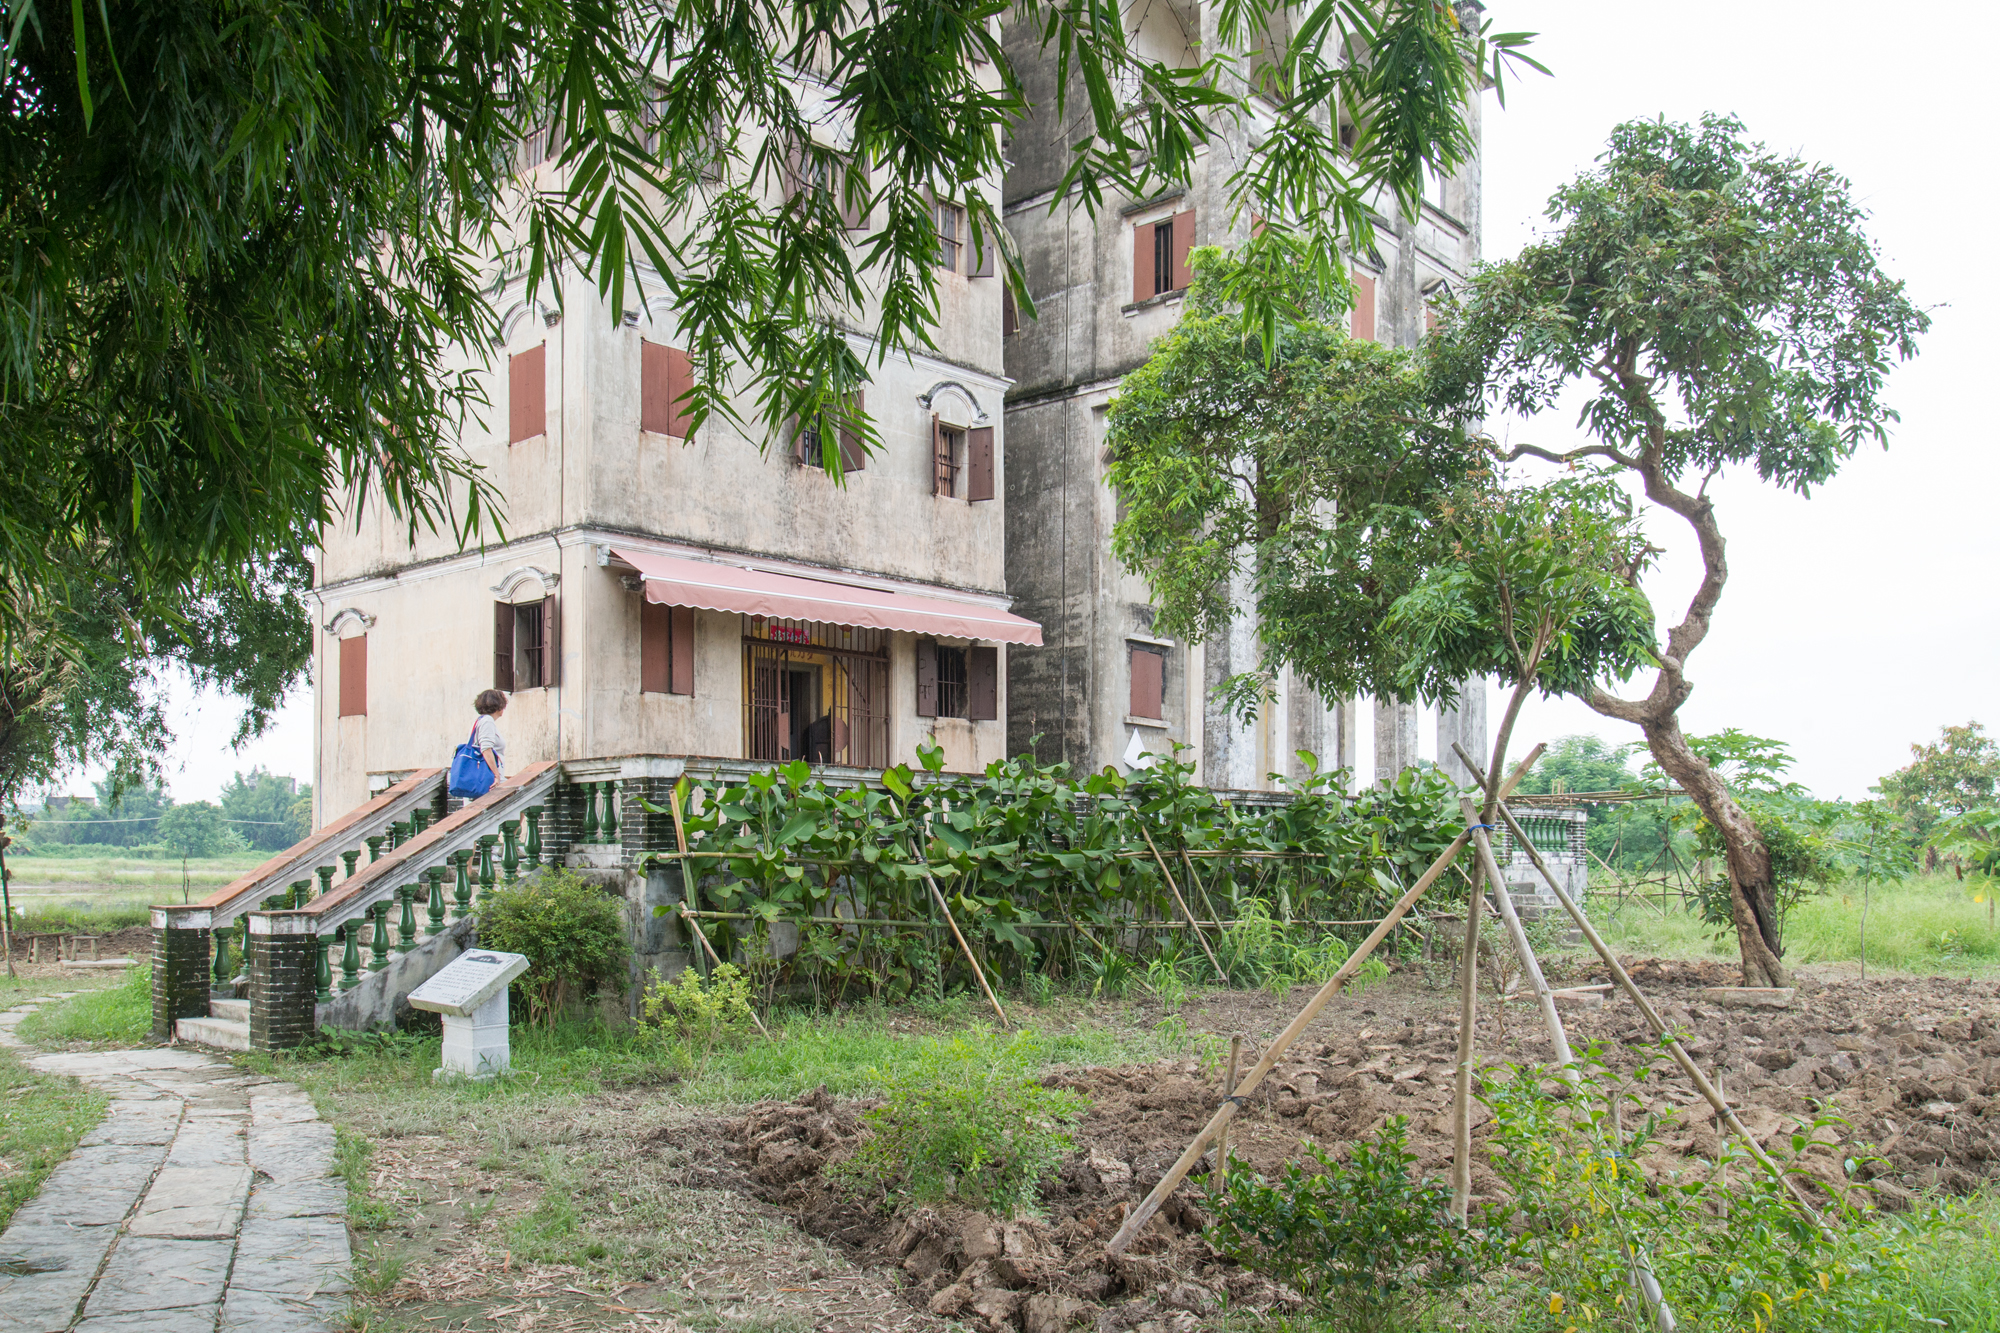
(977, 970)
(1221, 1178)
(1530, 966)
(6, 909)
(717, 961)
(1174, 888)
(1653, 1019)
(1468, 1038)
(1217, 1123)
(687, 881)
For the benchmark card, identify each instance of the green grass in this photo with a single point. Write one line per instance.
(47, 915)
(1957, 1279)
(119, 1015)
(41, 1117)
(1930, 923)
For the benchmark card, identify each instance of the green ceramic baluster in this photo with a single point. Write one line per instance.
(589, 812)
(322, 946)
(223, 970)
(378, 936)
(436, 910)
(406, 928)
(349, 858)
(486, 841)
(611, 812)
(325, 874)
(462, 908)
(375, 847)
(302, 892)
(510, 856)
(533, 814)
(277, 903)
(396, 836)
(350, 955)
(420, 819)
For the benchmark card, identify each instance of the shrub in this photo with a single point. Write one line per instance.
(1365, 1242)
(572, 932)
(700, 1014)
(1729, 1248)
(967, 1120)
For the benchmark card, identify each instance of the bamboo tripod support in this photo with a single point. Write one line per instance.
(1531, 966)
(1227, 1111)
(1653, 1020)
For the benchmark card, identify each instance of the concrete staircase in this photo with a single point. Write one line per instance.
(227, 1026)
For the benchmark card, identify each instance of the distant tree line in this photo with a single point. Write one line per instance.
(259, 810)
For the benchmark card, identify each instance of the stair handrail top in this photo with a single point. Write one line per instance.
(302, 858)
(379, 879)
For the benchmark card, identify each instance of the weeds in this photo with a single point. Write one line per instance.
(120, 1015)
(1368, 1245)
(968, 1120)
(377, 1274)
(697, 1014)
(41, 1119)
(351, 1154)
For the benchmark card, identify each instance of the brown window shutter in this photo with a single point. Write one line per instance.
(937, 446)
(655, 395)
(1148, 683)
(1183, 243)
(853, 457)
(926, 678)
(680, 379)
(503, 647)
(682, 644)
(1142, 263)
(655, 648)
(354, 676)
(527, 394)
(551, 642)
(979, 464)
(1362, 323)
(982, 684)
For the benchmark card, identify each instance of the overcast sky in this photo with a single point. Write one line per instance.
(1855, 622)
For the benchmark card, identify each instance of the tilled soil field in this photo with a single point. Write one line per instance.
(1912, 1064)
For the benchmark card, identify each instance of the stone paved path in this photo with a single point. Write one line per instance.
(202, 1203)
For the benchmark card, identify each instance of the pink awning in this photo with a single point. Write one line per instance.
(675, 581)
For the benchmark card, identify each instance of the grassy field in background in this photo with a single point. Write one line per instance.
(106, 891)
(1930, 923)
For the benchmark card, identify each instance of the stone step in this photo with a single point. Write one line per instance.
(236, 1011)
(227, 1034)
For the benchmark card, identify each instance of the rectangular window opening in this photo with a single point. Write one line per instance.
(951, 235)
(1163, 256)
(950, 459)
(528, 644)
(952, 695)
(816, 692)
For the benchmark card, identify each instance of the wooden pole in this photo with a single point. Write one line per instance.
(1200, 938)
(1227, 1111)
(717, 961)
(1654, 1021)
(1530, 966)
(1221, 1177)
(977, 970)
(6, 908)
(687, 881)
(1468, 1039)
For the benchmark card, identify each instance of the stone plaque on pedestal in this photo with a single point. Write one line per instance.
(471, 994)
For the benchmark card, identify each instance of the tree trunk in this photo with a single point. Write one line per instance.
(1753, 894)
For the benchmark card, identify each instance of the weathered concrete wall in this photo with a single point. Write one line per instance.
(382, 999)
(1066, 365)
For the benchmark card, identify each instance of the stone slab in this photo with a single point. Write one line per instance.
(299, 1198)
(43, 1304)
(468, 982)
(193, 1203)
(214, 1144)
(224, 1034)
(1749, 997)
(148, 1123)
(270, 1312)
(182, 1319)
(306, 1256)
(77, 1206)
(151, 1273)
(44, 1272)
(292, 1152)
(281, 1108)
(86, 1064)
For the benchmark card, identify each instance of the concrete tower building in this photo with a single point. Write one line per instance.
(1104, 686)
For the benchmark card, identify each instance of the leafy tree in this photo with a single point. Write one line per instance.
(268, 806)
(252, 240)
(1624, 834)
(1313, 474)
(1718, 306)
(1958, 773)
(195, 829)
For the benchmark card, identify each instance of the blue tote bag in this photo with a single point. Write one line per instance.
(471, 775)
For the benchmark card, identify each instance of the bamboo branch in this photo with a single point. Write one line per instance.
(718, 962)
(1530, 966)
(1200, 938)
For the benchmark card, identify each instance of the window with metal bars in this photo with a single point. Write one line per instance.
(950, 459)
(951, 235)
(815, 692)
(952, 693)
(1163, 256)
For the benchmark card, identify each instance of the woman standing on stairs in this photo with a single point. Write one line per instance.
(486, 737)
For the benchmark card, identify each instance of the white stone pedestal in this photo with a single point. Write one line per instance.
(470, 993)
(476, 1047)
